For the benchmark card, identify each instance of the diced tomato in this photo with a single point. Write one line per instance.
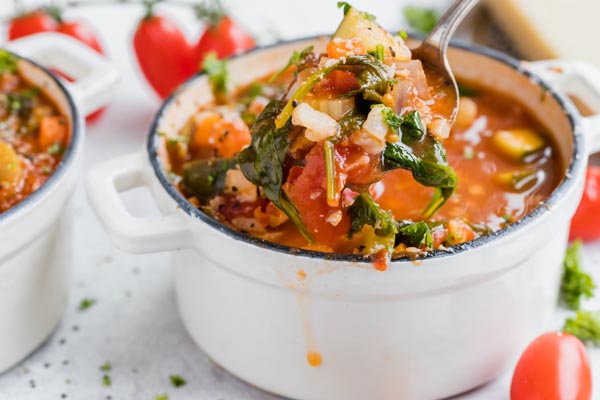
(226, 136)
(306, 189)
(459, 231)
(338, 47)
(53, 131)
(439, 235)
(336, 83)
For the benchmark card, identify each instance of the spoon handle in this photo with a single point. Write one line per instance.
(440, 35)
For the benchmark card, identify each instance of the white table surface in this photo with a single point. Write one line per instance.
(134, 323)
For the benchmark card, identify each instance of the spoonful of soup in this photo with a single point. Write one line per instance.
(433, 55)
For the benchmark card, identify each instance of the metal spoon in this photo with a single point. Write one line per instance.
(433, 49)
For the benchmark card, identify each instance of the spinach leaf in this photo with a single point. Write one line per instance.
(349, 123)
(205, 178)
(297, 59)
(262, 161)
(410, 124)
(370, 73)
(415, 234)
(427, 162)
(365, 211)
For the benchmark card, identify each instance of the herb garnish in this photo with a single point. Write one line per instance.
(8, 62)
(576, 284)
(55, 149)
(297, 59)
(420, 18)
(585, 325)
(217, 73)
(177, 380)
(86, 303)
(106, 381)
(161, 397)
(410, 124)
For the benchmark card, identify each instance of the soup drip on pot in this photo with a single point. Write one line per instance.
(348, 151)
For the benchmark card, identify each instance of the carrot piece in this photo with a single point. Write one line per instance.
(338, 47)
(53, 131)
(226, 136)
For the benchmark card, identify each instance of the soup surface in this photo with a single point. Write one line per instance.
(33, 135)
(351, 151)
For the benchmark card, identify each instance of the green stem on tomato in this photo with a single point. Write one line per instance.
(332, 198)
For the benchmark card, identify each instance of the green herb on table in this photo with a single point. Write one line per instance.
(161, 397)
(576, 284)
(421, 19)
(106, 381)
(177, 381)
(106, 367)
(585, 325)
(86, 303)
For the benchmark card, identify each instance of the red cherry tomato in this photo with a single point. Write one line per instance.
(586, 222)
(163, 53)
(31, 23)
(225, 38)
(555, 366)
(81, 32)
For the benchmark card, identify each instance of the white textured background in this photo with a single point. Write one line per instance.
(134, 323)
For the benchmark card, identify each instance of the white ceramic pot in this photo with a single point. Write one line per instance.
(35, 235)
(421, 330)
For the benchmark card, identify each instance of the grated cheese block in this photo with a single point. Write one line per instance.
(543, 29)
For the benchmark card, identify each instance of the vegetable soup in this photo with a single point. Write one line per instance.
(351, 151)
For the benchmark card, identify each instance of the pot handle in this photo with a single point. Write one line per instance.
(580, 80)
(133, 234)
(94, 76)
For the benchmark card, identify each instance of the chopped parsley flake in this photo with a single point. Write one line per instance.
(177, 380)
(161, 397)
(86, 303)
(217, 73)
(55, 150)
(106, 381)
(106, 367)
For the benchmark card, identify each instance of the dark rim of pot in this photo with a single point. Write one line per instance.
(68, 155)
(543, 208)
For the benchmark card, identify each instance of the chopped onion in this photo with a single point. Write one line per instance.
(335, 108)
(319, 126)
(371, 137)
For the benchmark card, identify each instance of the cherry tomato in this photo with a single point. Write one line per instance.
(31, 23)
(81, 32)
(555, 366)
(225, 38)
(586, 222)
(163, 53)
(51, 21)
